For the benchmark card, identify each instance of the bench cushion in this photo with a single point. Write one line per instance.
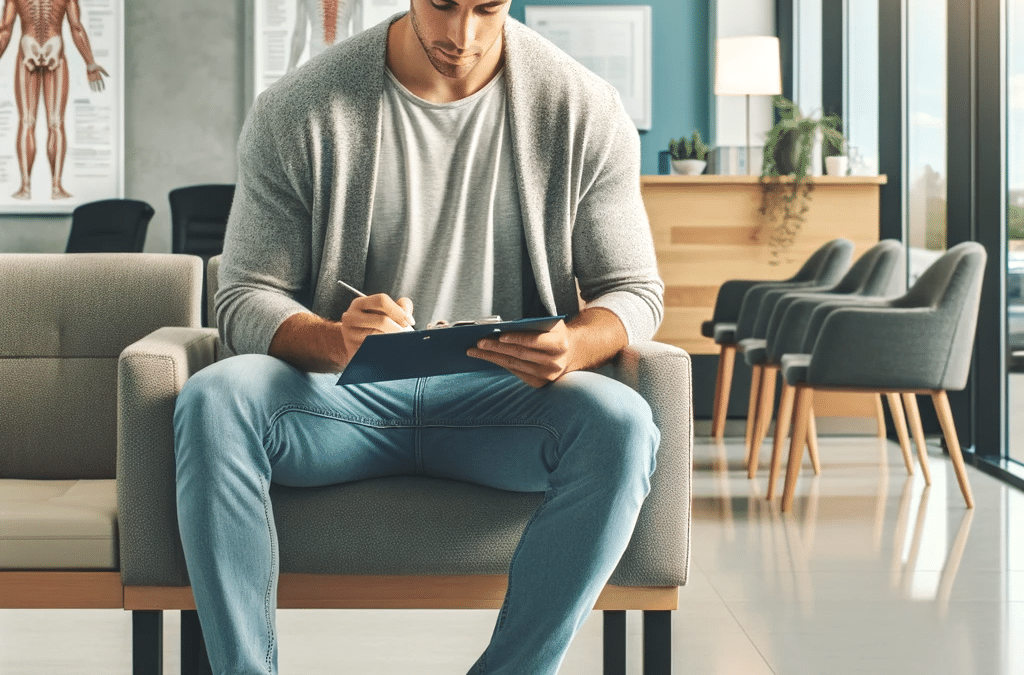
(58, 524)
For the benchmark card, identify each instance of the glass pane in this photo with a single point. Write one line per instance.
(807, 56)
(926, 132)
(1015, 221)
(861, 115)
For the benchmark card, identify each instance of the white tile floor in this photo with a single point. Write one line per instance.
(871, 573)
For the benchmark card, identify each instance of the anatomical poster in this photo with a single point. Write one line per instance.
(287, 33)
(61, 114)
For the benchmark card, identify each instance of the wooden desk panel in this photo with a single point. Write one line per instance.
(709, 229)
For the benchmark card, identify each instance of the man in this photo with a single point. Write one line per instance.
(42, 68)
(454, 158)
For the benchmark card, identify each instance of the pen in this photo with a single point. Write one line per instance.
(359, 293)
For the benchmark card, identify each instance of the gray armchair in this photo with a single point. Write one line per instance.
(67, 317)
(401, 542)
(782, 324)
(918, 343)
(730, 323)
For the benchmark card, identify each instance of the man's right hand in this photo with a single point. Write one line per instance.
(318, 345)
(374, 314)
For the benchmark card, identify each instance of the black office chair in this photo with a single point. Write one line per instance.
(199, 216)
(109, 226)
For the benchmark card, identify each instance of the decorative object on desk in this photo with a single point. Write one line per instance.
(838, 165)
(748, 66)
(791, 149)
(689, 155)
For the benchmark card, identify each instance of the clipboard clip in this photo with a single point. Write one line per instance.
(494, 318)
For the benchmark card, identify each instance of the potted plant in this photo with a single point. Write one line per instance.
(689, 155)
(790, 150)
(837, 160)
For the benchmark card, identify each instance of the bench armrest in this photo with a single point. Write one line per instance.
(151, 373)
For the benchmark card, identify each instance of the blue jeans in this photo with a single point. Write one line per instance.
(586, 441)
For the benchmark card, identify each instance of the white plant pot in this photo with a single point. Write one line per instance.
(688, 167)
(837, 166)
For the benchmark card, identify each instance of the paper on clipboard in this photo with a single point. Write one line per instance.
(424, 353)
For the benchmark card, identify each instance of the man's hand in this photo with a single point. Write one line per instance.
(317, 345)
(590, 339)
(535, 358)
(374, 314)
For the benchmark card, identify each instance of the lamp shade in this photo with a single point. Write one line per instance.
(748, 66)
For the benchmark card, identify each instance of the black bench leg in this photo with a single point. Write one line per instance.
(657, 642)
(614, 642)
(147, 642)
(193, 648)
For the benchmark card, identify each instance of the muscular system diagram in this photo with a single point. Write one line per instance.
(329, 21)
(41, 71)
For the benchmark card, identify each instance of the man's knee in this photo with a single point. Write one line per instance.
(227, 387)
(621, 420)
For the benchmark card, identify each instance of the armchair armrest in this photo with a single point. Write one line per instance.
(661, 374)
(752, 301)
(881, 347)
(151, 373)
(729, 298)
(819, 313)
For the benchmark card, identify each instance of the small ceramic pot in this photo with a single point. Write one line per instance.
(688, 167)
(837, 166)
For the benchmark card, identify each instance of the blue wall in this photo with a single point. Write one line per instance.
(679, 64)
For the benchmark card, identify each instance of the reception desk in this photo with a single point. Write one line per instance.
(708, 229)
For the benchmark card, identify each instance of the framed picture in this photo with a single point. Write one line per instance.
(286, 33)
(61, 105)
(613, 41)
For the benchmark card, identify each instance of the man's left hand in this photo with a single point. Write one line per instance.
(535, 358)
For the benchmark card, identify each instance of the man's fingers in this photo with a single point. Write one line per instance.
(382, 305)
(406, 305)
(534, 374)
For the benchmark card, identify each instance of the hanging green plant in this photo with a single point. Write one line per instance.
(789, 151)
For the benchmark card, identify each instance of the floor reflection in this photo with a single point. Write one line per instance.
(863, 513)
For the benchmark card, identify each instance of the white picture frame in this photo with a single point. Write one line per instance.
(613, 41)
(84, 159)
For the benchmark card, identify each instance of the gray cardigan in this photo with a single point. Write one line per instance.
(307, 168)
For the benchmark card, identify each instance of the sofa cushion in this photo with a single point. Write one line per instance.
(51, 524)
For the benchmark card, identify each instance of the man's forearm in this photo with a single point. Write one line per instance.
(310, 343)
(596, 335)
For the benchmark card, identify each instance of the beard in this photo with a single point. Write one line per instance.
(436, 54)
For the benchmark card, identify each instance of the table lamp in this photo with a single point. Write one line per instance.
(748, 66)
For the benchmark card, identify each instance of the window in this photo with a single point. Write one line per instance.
(926, 132)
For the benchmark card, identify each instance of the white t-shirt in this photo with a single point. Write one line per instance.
(446, 229)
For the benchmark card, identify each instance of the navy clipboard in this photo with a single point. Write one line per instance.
(423, 353)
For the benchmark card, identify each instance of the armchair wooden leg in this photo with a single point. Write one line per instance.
(723, 386)
(782, 424)
(880, 415)
(812, 442)
(147, 642)
(796, 446)
(900, 420)
(765, 403)
(657, 642)
(614, 642)
(194, 660)
(952, 444)
(914, 417)
(756, 373)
